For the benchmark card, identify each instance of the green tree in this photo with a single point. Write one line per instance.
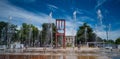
(3, 31)
(110, 42)
(117, 41)
(28, 33)
(23, 33)
(7, 31)
(2, 25)
(90, 36)
(14, 33)
(45, 28)
(34, 34)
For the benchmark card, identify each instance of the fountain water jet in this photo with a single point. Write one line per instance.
(74, 17)
(30, 35)
(3, 35)
(50, 15)
(86, 36)
(100, 17)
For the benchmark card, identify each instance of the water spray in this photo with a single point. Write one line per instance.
(109, 30)
(100, 17)
(74, 17)
(86, 35)
(96, 33)
(50, 15)
(8, 31)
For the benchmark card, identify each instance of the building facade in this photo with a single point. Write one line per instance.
(69, 41)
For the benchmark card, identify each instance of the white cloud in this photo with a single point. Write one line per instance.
(39, 27)
(69, 24)
(52, 6)
(70, 28)
(101, 32)
(100, 2)
(55, 8)
(29, 1)
(18, 27)
(72, 25)
(70, 31)
(86, 18)
(100, 17)
(20, 15)
(113, 34)
(25, 1)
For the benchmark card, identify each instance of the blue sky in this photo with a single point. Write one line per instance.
(101, 13)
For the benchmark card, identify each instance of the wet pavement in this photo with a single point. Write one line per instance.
(54, 54)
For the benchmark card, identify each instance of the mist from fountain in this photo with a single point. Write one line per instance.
(86, 36)
(99, 26)
(96, 37)
(20, 35)
(9, 32)
(100, 17)
(30, 36)
(38, 41)
(109, 30)
(74, 20)
(47, 38)
(3, 35)
(50, 15)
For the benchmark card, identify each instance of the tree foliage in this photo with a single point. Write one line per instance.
(46, 36)
(90, 36)
(7, 32)
(117, 41)
(23, 34)
(28, 33)
(2, 25)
